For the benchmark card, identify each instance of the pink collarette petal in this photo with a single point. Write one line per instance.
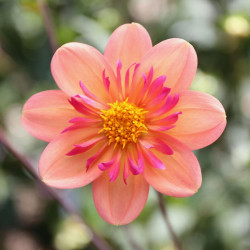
(82, 122)
(170, 119)
(106, 165)
(158, 99)
(95, 157)
(157, 143)
(77, 104)
(90, 102)
(160, 128)
(126, 171)
(153, 161)
(83, 147)
(150, 75)
(106, 81)
(146, 143)
(169, 104)
(114, 171)
(156, 87)
(113, 166)
(145, 88)
(80, 126)
(136, 169)
(163, 147)
(118, 75)
(90, 94)
(127, 79)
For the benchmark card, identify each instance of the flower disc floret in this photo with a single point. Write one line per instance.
(123, 122)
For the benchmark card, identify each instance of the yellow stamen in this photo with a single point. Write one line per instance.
(123, 122)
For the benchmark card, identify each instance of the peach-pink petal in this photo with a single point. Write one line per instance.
(182, 176)
(47, 113)
(75, 62)
(128, 43)
(175, 58)
(119, 203)
(59, 170)
(202, 121)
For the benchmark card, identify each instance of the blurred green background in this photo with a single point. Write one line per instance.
(218, 216)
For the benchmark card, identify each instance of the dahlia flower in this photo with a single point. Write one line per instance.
(125, 120)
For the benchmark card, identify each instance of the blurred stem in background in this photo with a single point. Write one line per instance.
(163, 209)
(96, 239)
(49, 26)
(133, 243)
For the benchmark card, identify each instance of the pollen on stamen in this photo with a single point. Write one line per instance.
(123, 122)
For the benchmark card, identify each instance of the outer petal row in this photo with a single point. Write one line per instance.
(62, 171)
(202, 121)
(119, 203)
(175, 58)
(47, 113)
(128, 43)
(182, 175)
(75, 62)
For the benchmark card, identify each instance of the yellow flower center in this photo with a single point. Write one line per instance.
(123, 122)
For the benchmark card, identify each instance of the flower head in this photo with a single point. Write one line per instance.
(124, 120)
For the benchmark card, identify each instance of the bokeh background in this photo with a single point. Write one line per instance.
(218, 216)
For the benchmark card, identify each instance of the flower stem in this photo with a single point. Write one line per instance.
(49, 27)
(163, 209)
(131, 239)
(99, 242)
